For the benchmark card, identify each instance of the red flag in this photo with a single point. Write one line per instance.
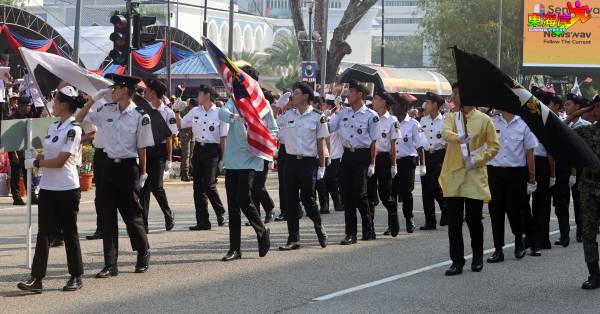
(249, 100)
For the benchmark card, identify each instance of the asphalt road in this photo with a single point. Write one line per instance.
(389, 275)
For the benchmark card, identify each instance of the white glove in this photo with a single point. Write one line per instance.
(371, 170)
(464, 139)
(531, 187)
(552, 182)
(179, 105)
(572, 181)
(142, 181)
(320, 173)
(31, 153)
(469, 163)
(29, 163)
(422, 170)
(271, 165)
(283, 100)
(101, 94)
(394, 171)
(168, 165)
(327, 113)
(327, 161)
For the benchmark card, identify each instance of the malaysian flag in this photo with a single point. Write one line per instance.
(249, 101)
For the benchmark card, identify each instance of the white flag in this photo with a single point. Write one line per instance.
(576, 90)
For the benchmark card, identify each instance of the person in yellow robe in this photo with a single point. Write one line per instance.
(464, 179)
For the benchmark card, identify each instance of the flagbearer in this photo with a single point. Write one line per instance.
(98, 169)
(59, 192)
(409, 154)
(471, 144)
(210, 137)
(305, 139)
(433, 124)
(159, 157)
(358, 128)
(511, 180)
(385, 166)
(128, 133)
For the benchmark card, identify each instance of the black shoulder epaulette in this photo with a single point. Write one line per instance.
(318, 111)
(75, 123)
(55, 122)
(140, 110)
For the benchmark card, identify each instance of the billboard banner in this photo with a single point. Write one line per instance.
(560, 33)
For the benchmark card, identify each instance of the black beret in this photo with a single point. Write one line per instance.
(24, 100)
(306, 89)
(156, 85)
(123, 80)
(434, 98)
(354, 84)
(389, 101)
(578, 100)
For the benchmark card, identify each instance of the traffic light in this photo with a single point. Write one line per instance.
(140, 37)
(120, 39)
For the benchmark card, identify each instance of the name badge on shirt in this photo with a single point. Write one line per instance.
(359, 131)
(383, 135)
(211, 128)
(55, 139)
(406, 140)
(439, 135)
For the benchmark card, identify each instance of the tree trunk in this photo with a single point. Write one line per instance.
(319, 28)
(296, 13)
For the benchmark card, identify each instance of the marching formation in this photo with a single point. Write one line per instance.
(360, 153)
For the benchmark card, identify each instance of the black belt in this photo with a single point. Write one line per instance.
(300, 157)
(406, 157)
(121, 160)
(206, 144)
(439, 151)
(356, 150)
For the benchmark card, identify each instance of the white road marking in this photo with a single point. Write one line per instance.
(400, 276)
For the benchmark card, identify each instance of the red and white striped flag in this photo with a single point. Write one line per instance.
(249, 100)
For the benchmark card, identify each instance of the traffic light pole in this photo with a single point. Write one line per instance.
(168, 46)
(129, 18)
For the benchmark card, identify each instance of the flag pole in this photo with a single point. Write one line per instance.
(29, 192)
(464, 121)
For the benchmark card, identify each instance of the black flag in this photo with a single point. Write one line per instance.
(481, 83)
(160, 129)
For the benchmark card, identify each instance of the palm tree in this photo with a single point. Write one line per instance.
(257, 61)
(284, 57)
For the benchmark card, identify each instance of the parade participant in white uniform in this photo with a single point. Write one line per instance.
(305, 138)
(98, 169)
(433, 124)
(210, 135)
(335, 150)
(128, 133)
(59, 192)
(385, 167)
(159, 157)
(409, 154)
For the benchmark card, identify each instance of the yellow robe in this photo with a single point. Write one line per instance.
(455, 179)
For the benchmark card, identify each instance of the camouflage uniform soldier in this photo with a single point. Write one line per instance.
(186, 138)
(590, 196)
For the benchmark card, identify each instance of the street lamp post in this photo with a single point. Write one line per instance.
(382, 33)
(499, 48)
(311, 5)
(205, 22)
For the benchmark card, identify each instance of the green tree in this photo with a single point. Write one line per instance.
(472, 25)
(284, 57)
(257, 61)
(407, 52)
(14, 3)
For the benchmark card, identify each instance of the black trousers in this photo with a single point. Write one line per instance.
(541, 204)
(561, 193)
(260, 195)
(353, 177)
(282, 157)
(381, 183)
(471, 210)
(508, 186)
(57, 212)
(238, 184)
(301, 176)
(156, 157)
(120, 192)
(98, 164)
(16, 171)
(332, 186)
(205, 164)
(430, 187)
(404, 183)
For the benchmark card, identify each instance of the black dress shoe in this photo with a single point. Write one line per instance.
(593, 282)
(220, 221)
(108, 271)
(322, 236)
(563, 241)
(281, 217)
(546, 246)
(578, 236)
(497, 257)
(73, 284)
(18, 201)
(454, 270)
(477, 264)
(394, 228)
(535, 252)
(33, 285)
(268, 216)
(97, 235)
(428, 226)
(143, 263)
(200, 227)
(169, 225)
(519, 249)
(387, 231)
(410, 226)
(264, 243)
(443, 220)
(231, 256)
(290, 246)
(348, 240)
